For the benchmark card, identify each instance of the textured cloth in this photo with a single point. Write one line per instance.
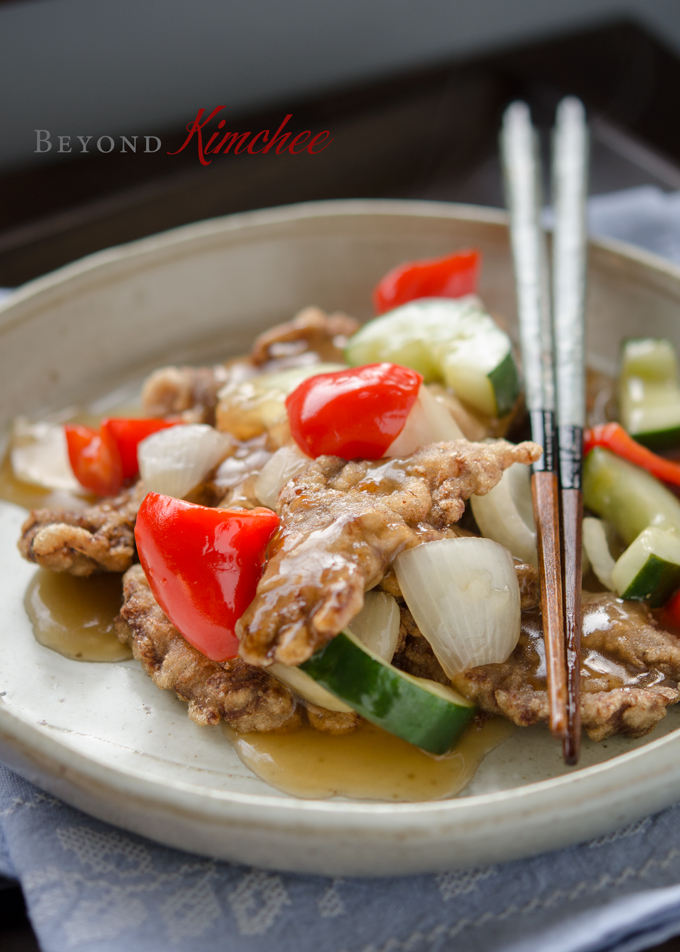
(92, 887)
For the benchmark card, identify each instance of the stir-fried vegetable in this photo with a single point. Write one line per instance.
(277, 471)
(103, 459)
(650, 566)
(428, 421)
(127, 434)
(352, 413)
(464, 596)
(377, 628)
(94, 459)
(203, 566)
(505, 514)
(452, 276)
(377, 624)
(649, 392)
(596, 547)
(39, 455)
(613, 437)
(421, 712)
(626, 496)
(174, 461)
(448, 341)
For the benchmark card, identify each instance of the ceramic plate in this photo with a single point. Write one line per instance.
(102, 736)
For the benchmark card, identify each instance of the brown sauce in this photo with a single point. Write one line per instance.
(368, 764)
(74, 616)
(599, 672)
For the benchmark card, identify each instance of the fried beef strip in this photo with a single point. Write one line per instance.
(629, 672)
(98, 539)
(342, 524)
(311, 330)
(248, 698)
(189, 393)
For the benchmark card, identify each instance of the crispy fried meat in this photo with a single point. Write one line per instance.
(247, 698)
(98, 539)
(186, 392)
(629, 672)
(311, 330)
(343, 524)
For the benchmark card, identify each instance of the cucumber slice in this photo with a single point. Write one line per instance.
(649, 392)
(627, 496)
(449, 340)
(424, 713)
(650, 567)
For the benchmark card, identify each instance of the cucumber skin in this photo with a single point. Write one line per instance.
(656, 580)
(505, 382)
(382, 695)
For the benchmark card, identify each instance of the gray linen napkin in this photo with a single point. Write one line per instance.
(92, 887)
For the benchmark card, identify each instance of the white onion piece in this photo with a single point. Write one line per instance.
(301, 683)
(39, 456)
(464, 596)
(377, 624)
(596, 547)
(175, 460)
(505, 514)
(428, 422)
(277, 471)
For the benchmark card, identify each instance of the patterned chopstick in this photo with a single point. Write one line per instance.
(570, 185)
(522, 173)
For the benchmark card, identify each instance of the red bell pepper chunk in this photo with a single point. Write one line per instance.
(353, 413)
(127, 434)
(203, 566)
(94, 459)
(613, 437)
(452, 276)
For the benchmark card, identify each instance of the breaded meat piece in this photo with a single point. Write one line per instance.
(629, 671)
(311, 330)
(247, 698)
(342, 524)
(98, 539)
(188, 393)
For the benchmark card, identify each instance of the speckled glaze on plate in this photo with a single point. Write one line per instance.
(102, 736)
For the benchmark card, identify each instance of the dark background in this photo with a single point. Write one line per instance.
(429, 132)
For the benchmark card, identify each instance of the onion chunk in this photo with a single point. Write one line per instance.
(464, 596)
(505, 513)
(277, 471)
(174, 461)
(428, 422)
(377, 624)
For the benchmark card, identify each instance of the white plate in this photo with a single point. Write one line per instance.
(103, 737)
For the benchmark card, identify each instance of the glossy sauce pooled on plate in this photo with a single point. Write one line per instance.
(366, 764)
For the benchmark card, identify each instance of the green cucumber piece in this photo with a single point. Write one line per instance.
(447, 340)
(424, 713)
(650, 567)
(627, 496)
(649, 392)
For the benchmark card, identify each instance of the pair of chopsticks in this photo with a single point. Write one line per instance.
(552, 344)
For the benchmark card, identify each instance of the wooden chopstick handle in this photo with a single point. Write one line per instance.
(572, 523)
(545, 494)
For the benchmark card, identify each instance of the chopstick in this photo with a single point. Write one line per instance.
(522, 170)
(570, 182)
